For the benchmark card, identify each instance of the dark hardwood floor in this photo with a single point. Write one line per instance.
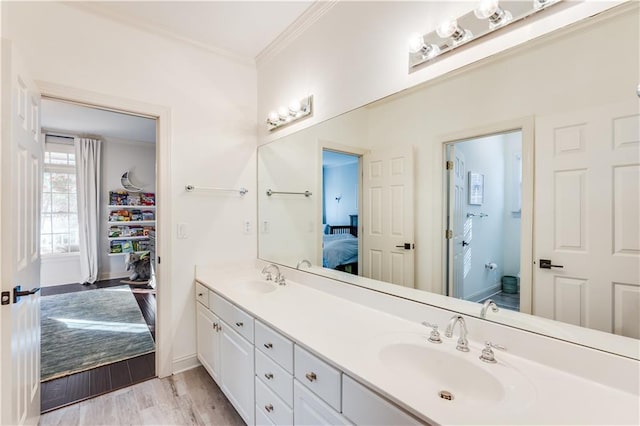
(70, 389)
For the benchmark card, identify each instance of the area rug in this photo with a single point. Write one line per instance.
(87, 329)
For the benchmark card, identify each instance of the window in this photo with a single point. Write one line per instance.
(59, 232)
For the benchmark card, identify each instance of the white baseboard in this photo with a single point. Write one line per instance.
(485, 292)
(185, 363)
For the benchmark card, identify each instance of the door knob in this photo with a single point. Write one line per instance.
(17, 293)
(406, 246)
(546, 264)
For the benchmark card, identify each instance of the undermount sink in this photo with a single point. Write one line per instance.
(256, 286)
(458, 378)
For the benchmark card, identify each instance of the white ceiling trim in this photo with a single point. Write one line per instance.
(159, 30)
(318, 9)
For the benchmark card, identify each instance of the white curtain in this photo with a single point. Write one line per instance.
(88, 184)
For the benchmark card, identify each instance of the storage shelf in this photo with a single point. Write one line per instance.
(115, 206)
(120, 254)
(131, 222)
(144, 237)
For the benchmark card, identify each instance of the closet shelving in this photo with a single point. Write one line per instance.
(129, 224)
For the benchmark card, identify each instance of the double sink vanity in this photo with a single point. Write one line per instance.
(303, 350)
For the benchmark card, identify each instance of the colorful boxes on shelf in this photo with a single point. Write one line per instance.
(125, 198)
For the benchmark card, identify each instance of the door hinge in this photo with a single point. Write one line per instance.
(448, 234)
(449, 165)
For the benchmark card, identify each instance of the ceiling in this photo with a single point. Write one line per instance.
(78, 120)
(238, 28)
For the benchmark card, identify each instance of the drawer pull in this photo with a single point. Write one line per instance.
(215, 326)
(311, 376)
(269, 408)
(239, 324)
(269, 376)
(200, 294)
(268, 345)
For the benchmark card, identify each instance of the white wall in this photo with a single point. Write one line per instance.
(340, 181)
(118, 156)
(59, 269)
(511, 218)
(213, 109)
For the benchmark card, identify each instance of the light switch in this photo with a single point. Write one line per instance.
(183, 232)
(247, 227)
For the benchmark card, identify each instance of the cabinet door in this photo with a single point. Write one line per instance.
(237, 372)
(208, 340)
(311, 410)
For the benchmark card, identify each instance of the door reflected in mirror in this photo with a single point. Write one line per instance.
(484, 178)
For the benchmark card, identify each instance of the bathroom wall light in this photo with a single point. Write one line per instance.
(284, 115)
(471, 26)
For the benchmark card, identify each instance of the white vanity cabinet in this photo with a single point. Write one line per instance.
(225, 353)
(273, 381)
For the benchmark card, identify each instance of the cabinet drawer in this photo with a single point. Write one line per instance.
(273, 407)
(202, 294)
(363, 406)
(275, 377)
(261, 418)
(312, 411)
(274, 345)
(237, 319)
(318, 376)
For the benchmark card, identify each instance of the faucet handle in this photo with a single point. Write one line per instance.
(280, 279)
(268, 276)
(434, 337)
(487, 353)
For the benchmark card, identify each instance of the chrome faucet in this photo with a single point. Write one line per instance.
(267, 271)
(486, 305)
(303, 262)
(463, 343)
(279, 277)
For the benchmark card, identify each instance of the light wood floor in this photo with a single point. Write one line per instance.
(189, 398)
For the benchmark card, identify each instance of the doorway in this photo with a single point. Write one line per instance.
(484, 200)
(340, 194)
(118, 304)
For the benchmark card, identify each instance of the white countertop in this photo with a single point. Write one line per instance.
(350, 336)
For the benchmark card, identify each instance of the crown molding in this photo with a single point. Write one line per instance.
(95, 9)
(316, 11)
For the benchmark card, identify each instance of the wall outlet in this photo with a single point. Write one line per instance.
(183, 232)
(247, 227)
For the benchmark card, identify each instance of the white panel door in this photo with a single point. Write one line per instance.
(387, 222)
(461, 238)
(22, 152)
(587, 205)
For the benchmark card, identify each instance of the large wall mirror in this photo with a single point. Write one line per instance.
(516, 179)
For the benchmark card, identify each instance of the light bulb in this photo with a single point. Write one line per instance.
(416, 43)
(283, 113)
(273, 117)
(447, 28)
(294, 107)
(486, 8)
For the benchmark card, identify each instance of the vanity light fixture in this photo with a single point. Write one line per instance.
(471, 26)
(284, 115)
